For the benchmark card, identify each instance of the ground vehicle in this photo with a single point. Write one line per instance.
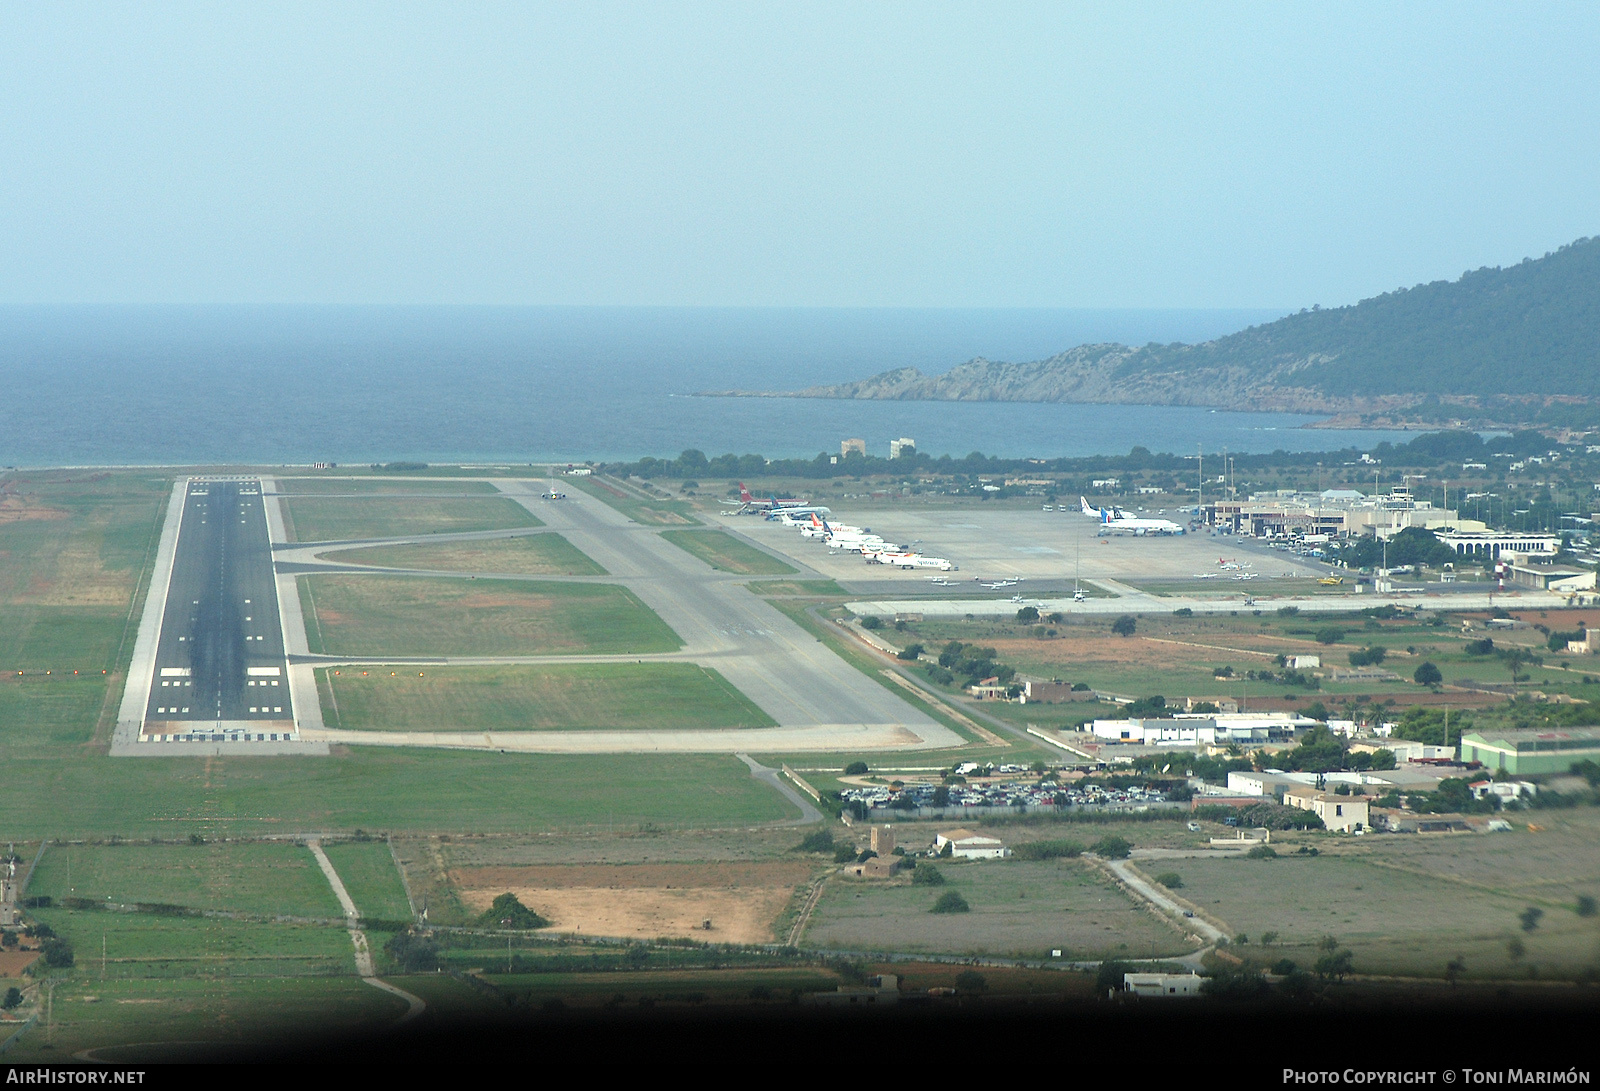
(1194, 827)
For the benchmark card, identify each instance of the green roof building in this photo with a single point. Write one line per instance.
(1524, 753)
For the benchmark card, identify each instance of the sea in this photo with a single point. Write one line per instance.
(292, 385)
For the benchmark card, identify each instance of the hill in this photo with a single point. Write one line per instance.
(1497, 339)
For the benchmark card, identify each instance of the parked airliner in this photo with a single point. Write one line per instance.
(1114, 518)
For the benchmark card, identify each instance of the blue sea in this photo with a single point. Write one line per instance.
(293, 385)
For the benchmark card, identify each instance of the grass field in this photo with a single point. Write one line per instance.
(726, 553)
(546, 554)
(377, 789)
(631, 696)
(1018, 908)
(660, 513)
(796, 588)
(394, 615)
(367, 486)
(258, 877)
(146, 945)
(41, 714)
(311, 519)
(72, 546)
(206, 1019)
(370, 877)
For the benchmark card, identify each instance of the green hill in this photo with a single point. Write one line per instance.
(1497, 342)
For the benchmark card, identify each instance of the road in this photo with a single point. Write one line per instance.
(358, 938)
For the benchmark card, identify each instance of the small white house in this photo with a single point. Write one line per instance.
(1162, 985)
(968, 845)
(1303, 662)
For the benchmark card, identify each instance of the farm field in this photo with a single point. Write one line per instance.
(267, 878)
(370, 877)
(416, 616)
(643, 901)
(1018, 908)
(368, 486)
(547, 554)
(310, 519)
(726, 553)
(632, 696)
(1407, 905)
(211, 1019)
(378, 789)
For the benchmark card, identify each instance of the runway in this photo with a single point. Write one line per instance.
(218, 672)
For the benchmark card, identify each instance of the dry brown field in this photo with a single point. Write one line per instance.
(644, 901)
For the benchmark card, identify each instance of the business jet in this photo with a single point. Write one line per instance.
(1114, 518)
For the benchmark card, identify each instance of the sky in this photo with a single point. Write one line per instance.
(787, 154)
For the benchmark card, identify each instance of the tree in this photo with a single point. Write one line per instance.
(927, 875)
(1124, 625)
(1171, 880)
(951, 901)
(941, 796)
(1428, 675)
(507, 911)
(411, 952)
(971, 982)
(1269, 938)
(1028, 614)
(1109, 977)
(856, 769)
(910, 652)
(13, 998)
(57, 953)
(1586, 906)
(1330, 634)
(1530, 918)
(1335, 965)
(1454, 969)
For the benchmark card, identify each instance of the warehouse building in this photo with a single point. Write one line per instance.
(1528, 753)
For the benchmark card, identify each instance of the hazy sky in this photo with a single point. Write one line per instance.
(1193, 155)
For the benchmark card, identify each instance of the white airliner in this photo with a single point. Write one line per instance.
(1114, 518)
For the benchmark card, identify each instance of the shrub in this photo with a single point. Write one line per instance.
(843, 854)
(856, 769)
(1263, 852)
(1183, 611)
(1330, 634)
(1124, 625)
(1530, 918)
(1047, 850)
(927, 875)
(1284, 967)
(951, 901)
(1585, 907)
(971, 981)
(1288, 611)
(910, 652)
(507, 911)
(1171, 880)
(871, 622)
(817, 841)
(1112, 847)
(1028, 614)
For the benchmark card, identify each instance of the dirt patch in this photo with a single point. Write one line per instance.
(14, 509)
(742, 900)
(13, 963)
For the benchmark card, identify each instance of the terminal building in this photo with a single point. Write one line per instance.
(1334, 513)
